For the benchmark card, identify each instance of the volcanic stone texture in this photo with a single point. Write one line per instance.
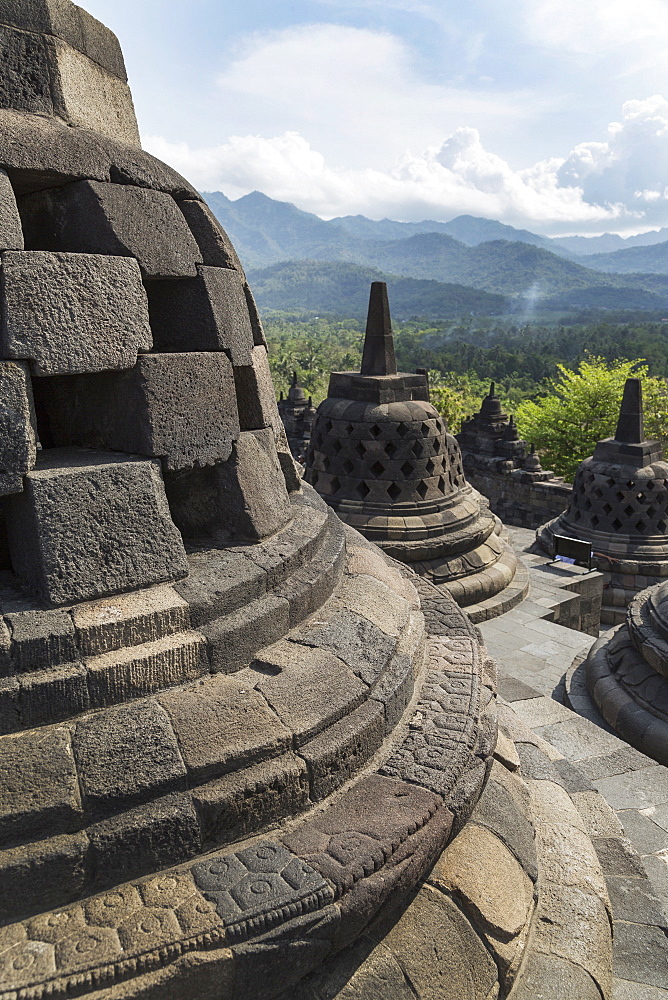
(90, 524)
(18, 449)
(11, 233)
(115, 219)
(206, 313)
(73, 312)
(177, 407)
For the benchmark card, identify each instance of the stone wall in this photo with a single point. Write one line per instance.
(517, 498)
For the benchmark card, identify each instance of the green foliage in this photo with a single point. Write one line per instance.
(456, 396)
(313, 348)
(582, 407)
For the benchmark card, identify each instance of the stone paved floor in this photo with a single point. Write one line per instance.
(534, 656)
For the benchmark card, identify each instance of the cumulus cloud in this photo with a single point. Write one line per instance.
(619, 182)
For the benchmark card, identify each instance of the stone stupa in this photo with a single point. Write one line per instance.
(627, 674)
(382, 458)
(297, 412)
(619, 504)
(242, 754)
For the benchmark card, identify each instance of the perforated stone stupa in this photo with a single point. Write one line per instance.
(619, 503)
(381, 457)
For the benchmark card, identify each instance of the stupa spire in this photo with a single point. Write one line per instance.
(378, 357)
(630, 424)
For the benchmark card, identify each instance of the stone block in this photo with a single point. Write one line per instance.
(86, 95)
(128, 620)
(256, 397)
(18, 440)
(11, 233)
(53, 694)
(142, 840)
(73, 312)
(551, 977)
(308, 688)
(42, 875)
(113, 219)
(207, 313)
(240, 803)
(9, 705)
(135, 671)
(213, 242)
(126, 755)
(39, 791)
(177, 407)
(219, 583)
(256, 323)
(234, 639)
(222, 724)
(243, 499)
(343, 749)
(41, 639)
(72, 24)
(25, 80)
(88, 525)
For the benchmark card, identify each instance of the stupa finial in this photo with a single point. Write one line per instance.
(630, 424)
(378, 357)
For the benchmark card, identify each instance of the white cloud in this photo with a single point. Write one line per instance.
(595, 27)
(358, 93)
(619, 183)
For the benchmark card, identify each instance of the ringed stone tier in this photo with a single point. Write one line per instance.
(619, 504)
(381, 457)
(627, 674)
(297, 413)
(233, 735)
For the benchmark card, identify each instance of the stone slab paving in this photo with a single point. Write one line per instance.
(538, 670)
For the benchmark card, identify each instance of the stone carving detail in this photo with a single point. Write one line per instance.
(297, 413)
(382, 458)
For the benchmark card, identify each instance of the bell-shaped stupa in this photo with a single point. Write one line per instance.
(627, 674)
(381, 457)
(619, 504)
(297, 412)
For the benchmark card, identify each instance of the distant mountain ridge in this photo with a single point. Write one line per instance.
(479, 254)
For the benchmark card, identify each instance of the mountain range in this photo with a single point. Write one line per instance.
(437, 268)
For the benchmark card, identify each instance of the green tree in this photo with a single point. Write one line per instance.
(582, 407)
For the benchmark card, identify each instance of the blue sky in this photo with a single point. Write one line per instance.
(548, 114)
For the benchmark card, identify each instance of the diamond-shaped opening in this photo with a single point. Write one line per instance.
(362, 491)
(596, 493)
(390, 449)
(616, 524)
(328, 426)
(431, 468)
(426, 430)
(436, 445)
(661, 525)
(378, 468)
(610, 482)
(577, 515)
(641, 527)
(348, 466)
(417, 449)
(349, 429)
(374, 430)
(314, 478)
(620, 495)
(334, 485)
(586, 503)
(594, 520)
(649, 485)
(393, 492)
(360, 449)
(326, 462)
(607, 509)
(337, 446)
(402, 430)
(631, 483)
(407, 469)
(629, 510)
(641, 498)
(651, 511)
(422, 489)
(442, 484)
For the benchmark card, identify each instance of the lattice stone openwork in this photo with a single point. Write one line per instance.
(381, 456)
(619, 503)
